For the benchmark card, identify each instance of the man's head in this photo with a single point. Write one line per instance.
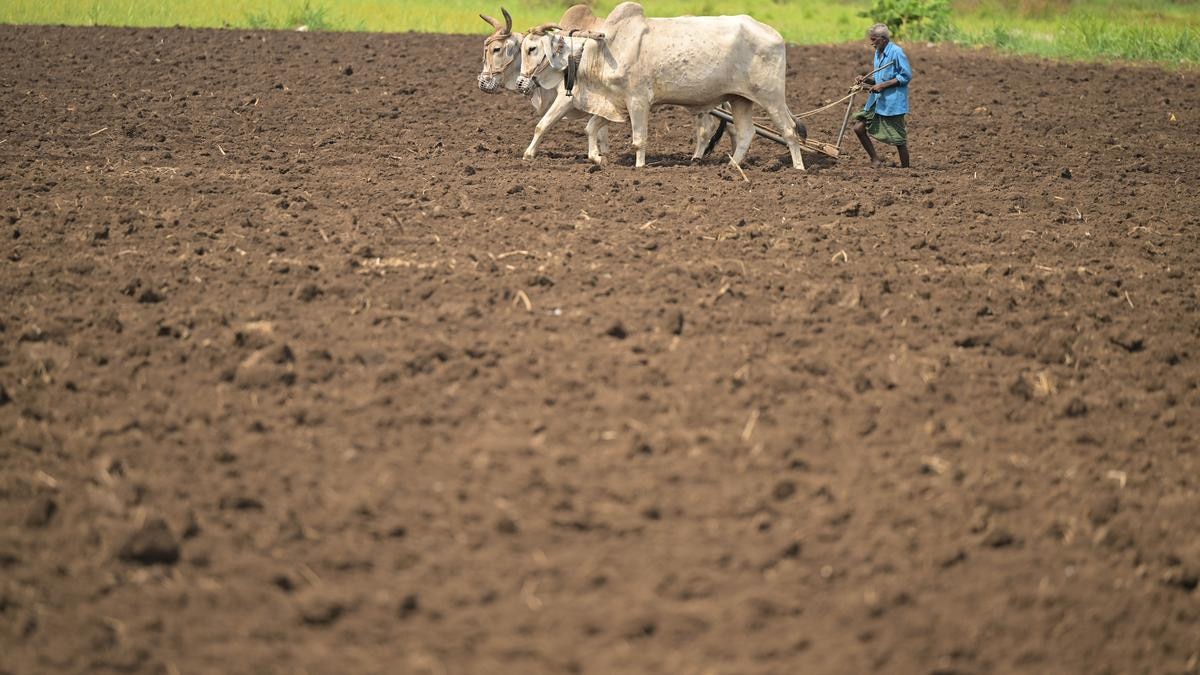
(879, 35)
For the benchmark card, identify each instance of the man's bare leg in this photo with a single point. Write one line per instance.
(903, 149)
(860, 130)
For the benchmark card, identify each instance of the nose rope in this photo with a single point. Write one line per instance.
(541, 68)
(493, 71)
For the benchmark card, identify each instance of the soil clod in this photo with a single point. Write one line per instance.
(153, 544)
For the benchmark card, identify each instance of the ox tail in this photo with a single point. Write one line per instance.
(801, 130)
(716, 138)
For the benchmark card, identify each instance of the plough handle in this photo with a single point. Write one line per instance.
(846, 119)
(878, 69)
(850, 104)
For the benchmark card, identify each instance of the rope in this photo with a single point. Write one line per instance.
(853, 91)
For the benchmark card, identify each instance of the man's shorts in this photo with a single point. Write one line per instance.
(888, 129)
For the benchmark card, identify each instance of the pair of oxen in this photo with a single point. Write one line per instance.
(616, 69)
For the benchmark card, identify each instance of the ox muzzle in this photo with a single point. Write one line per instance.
(526, 84)
(489, 83)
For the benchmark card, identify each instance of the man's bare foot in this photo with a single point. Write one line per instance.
(877, 164)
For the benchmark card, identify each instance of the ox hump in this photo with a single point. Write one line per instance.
(580, 17)
(623, 11)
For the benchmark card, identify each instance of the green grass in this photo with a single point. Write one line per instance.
(806, 22)
(1161, 31)
(1158, 31)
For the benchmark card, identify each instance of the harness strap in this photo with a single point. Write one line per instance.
(541, 68)
(572, 64)
(495, 38)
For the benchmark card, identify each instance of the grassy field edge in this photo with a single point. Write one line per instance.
(1162, 32)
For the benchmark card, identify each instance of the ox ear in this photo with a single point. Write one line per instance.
(557, 51)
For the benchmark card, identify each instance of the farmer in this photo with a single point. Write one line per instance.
(883, 115)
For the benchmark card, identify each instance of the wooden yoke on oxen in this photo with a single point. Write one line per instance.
(587, 34)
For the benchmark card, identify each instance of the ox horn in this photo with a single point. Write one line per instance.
(507, 20)
(544, 28)
(494, 23)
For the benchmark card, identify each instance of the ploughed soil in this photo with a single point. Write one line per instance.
(303, 369)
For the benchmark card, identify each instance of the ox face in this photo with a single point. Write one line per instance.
(543, 57)
(499, 54)
(500, 50)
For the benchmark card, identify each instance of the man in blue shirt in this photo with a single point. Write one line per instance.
(883, 115)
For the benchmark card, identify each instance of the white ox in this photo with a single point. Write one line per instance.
(695, 62)
(502, 68)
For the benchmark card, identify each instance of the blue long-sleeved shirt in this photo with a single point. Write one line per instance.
(893, 100)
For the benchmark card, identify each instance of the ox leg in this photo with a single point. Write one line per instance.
(602, 138)
(709, 132)
(743, 126)
(783, 120)
(730, 131)
(558, 110)
(597, 134)
(639, 119)
(706, 125)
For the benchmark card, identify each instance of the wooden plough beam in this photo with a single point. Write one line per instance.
(772, 135)
(829, 149)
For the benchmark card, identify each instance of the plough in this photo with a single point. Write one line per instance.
(828, 149)
(831, 150)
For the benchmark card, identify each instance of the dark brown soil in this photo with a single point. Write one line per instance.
(304, 370)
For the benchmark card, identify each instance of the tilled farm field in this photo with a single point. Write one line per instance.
(304, 370)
